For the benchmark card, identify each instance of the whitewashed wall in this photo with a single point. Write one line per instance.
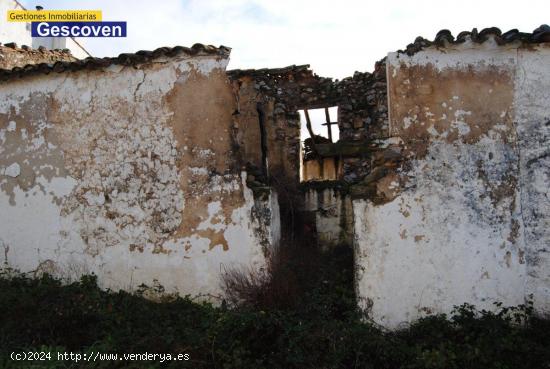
(18, 32)
(123, 173)
(532, 104)
(470, 222)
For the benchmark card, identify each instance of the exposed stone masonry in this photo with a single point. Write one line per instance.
(363, 116)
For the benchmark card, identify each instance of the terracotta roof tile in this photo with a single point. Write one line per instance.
(445, 37)
(123, 59)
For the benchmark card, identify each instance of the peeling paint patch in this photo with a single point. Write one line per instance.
(12, 170)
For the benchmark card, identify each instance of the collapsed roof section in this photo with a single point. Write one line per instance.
(296, 86)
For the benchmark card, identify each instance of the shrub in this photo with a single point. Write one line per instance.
(322, 330)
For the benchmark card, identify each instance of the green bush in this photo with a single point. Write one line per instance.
(323, 330)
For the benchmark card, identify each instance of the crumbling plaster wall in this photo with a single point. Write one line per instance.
(129, 172)
(531, 99)
(465, 215)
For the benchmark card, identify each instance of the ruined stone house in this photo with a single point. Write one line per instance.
(162, 168)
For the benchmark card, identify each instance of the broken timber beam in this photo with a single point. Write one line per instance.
(327, 116)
